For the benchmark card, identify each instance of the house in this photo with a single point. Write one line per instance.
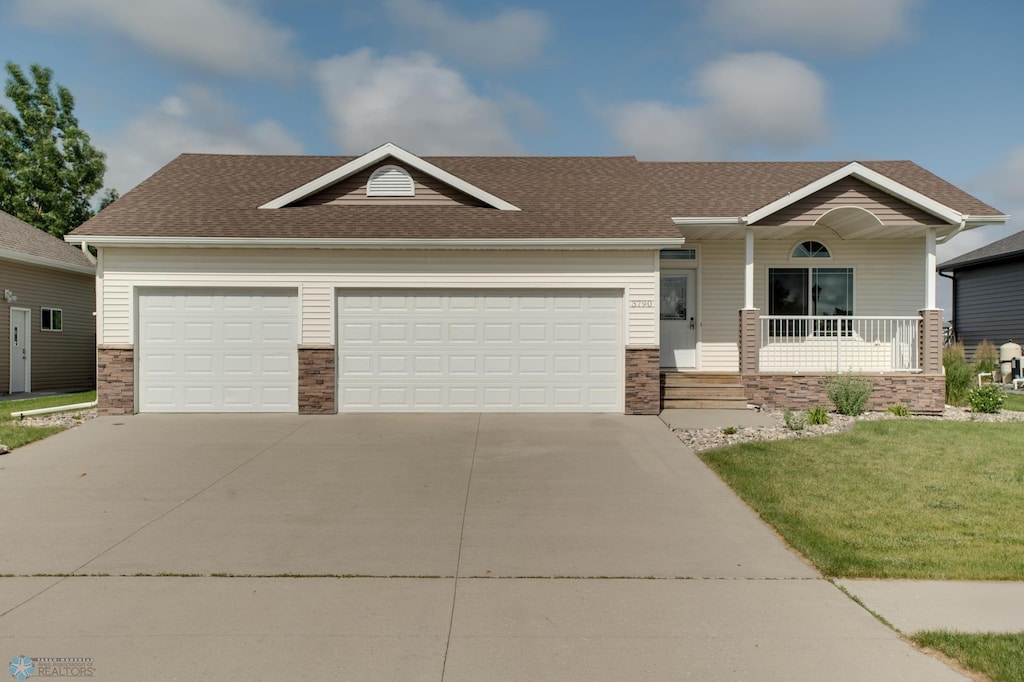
(987, 284)
(49, 295)
(392, 282)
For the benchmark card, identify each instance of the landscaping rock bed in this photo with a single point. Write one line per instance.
(65, 419)
(699, 440)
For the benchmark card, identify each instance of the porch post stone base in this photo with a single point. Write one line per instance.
(115, 379)
(317, 380)
(643, 380)
(750, 340)
(929, 341)
(921, 393)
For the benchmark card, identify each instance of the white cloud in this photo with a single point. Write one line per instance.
(412, 101)
(751, 101)
(512, 38)
(223, 36)
(197, 120)
(819, 24)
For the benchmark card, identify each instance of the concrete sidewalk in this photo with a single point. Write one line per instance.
(408, 547)
(967, 606)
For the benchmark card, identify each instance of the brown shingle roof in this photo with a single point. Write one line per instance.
(199, 195)
(1008, 247)
(18, 236)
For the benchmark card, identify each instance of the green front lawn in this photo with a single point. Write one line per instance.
(13, 434)
(999, 656)
(1014, 402)
(892, 499)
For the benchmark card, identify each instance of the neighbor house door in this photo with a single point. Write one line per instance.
(21, 350)
(678, 320)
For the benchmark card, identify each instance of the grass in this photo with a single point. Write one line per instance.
(892, 499)
(1014, 402)
(998, 656)
(14, 435)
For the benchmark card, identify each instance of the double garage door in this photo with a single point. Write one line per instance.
(397, 351)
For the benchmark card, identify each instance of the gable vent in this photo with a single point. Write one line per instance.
(390, 181)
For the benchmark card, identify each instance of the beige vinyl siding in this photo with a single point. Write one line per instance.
(851, 192)
(60, 360)
(352, 190)
(318, 273)
(889, 280)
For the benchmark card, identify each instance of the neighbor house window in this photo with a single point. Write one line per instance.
(810, 291)
(50, 320)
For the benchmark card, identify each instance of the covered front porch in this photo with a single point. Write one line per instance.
(838, 281)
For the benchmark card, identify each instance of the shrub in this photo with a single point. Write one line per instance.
(959, 375)
(986, 357)
(729, 430)
(817, 416)
(986, 398)
(849, 394)
(795, 421)
(899, 410)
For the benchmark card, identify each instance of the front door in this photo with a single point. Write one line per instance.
(21, 350)
(678, 320)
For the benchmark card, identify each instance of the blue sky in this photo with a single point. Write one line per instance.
(935, 81)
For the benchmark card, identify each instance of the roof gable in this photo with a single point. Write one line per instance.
(374, 157)
(22, 242)
(870, 177)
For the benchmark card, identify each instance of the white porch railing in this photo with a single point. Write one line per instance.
(838, 344)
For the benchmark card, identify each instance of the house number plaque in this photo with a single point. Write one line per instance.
(641, 303)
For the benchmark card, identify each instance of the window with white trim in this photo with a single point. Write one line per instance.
(810, 291)
(51, 320)
(390, 181)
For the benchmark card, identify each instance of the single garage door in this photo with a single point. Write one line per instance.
(406, 351)
(218, 350)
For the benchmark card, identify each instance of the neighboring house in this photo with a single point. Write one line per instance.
(47, 308)
(391, 282)
(987, 287)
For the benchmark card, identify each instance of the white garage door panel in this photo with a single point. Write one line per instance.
(426, 351)
(204, 350)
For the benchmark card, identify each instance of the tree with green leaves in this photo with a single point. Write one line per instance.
(49, 170)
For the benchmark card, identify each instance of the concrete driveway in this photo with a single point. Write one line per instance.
(408, 547)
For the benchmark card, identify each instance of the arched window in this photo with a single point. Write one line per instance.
(390, 181)
(811, 249)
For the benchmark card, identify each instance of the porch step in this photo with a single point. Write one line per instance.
(701, 390)
(703, 404)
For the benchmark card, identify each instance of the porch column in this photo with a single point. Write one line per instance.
(929, 267)
(748, 269)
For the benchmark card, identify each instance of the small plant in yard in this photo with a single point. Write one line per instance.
(986, 357)
(987, 398)
(959, 374)
(729, 430)
(795, 421)
(899, 410)
(849, 394)
(818, 416)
